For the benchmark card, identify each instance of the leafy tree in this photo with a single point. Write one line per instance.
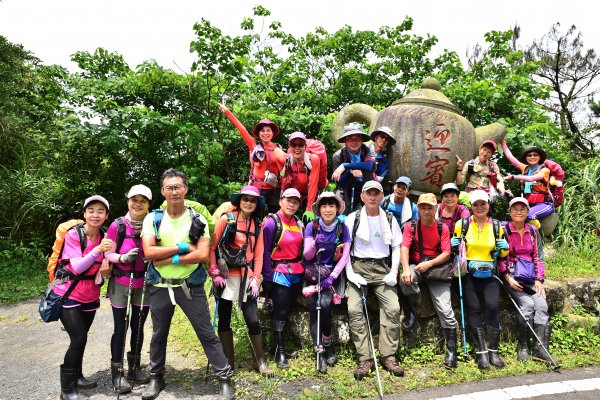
(572, 72)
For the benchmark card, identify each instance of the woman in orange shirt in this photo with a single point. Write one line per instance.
(236, 259)
(266, 158)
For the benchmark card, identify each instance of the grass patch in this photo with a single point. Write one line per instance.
(23, 272)
(564, 263)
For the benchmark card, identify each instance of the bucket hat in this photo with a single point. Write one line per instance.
(540, 151)
(353, 129)
(248, 191)
(328, 195)
(387, 131)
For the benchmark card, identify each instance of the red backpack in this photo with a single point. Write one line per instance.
(314, 146)
(557, 182)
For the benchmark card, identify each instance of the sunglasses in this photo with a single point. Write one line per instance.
(297, 144)
(249, 199)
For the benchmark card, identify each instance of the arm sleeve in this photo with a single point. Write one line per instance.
(259, 252)
(219, 229)
(516, 163)
(364, 166)
(111, 234)
(542, 174)
(250, 141)
(268, 234)
(72, 252)
(309, 243)
(313, 181)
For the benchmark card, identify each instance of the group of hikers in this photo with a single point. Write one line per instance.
(280, 239)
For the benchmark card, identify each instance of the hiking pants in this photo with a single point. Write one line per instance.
(440, 296)
(540, 210)
(490, 289)
(325, 322)
(532, 306)
(389, 311)
(77, 323)
(250, 311)
(197, 312)
(117, 341)
(284, 299)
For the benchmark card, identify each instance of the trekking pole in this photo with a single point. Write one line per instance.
(215, 293)
(462, 310)
(364, 300)
(352, 200)
(319, 348)
(127, 315)
(556, 367)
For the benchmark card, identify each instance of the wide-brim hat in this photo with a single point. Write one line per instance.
(387, 131)
(265, 122)
(353, 129)
(248, 191)
(539, 150)
(341, 206)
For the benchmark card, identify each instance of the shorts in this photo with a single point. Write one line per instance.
(117, 294)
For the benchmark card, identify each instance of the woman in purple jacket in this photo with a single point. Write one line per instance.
(523, 274)
(127, 258)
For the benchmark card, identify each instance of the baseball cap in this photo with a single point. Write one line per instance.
(521, 200)
(427, 198)
(405, 180)
(291, 192)
(450, 186)
(297, 135)
(372, 185)
(491, 143)
(141, 190)
(94, 198)
(476, 195)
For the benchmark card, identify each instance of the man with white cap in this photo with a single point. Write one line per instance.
(375, 257)
(353, 165)
(426, 245)
(301, 172)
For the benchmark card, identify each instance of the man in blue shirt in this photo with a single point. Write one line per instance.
(399, 204)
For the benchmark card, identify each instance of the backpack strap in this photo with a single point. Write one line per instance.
(355, 229)
(278, 231)
(158, 216)
(197, 227)
(386, 202)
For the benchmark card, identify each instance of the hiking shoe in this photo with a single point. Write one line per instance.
(391, 365)
(363, 369)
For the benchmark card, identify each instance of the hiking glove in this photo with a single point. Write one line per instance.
(183, 247)
(455, 241)
(130, 256)
(218, 281)
(307, 217)
(327, 282)
(501, 244)
(253, 288)
(391, 279)
(357, 279)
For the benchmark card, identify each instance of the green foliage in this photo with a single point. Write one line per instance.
(22, 272)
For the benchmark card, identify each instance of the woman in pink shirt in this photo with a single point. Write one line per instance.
(128, 267)
(81, 268)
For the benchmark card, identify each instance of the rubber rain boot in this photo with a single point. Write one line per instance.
(68, 384)
(82, 382)
(226, 388)
(280, 354)
(483, 359)
(116, 373)
(153, 389)
(256, 341)
(450, 361)
(226, 339)
(543, 332)
(329, 354)
(494, 338)
(523, 342)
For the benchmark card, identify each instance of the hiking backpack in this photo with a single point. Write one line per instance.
(279, 229)
(556, 185)
(196, 228)
(59, 244)
(231, 229)
(314, 146)
(386, 203)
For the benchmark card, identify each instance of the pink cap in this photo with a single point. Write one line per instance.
(489, 142)
(297, 135)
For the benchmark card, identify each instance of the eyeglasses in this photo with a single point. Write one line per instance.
(533, 155)
(174, 188)
(297, 144)
(519, 210)
(249, 199)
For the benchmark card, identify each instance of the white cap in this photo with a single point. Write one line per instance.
(96, 198)
(476, 195)
(141, 190)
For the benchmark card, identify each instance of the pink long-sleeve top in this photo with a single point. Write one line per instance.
(86, 264)
(290, 247)
(525, 246)
(128, 243)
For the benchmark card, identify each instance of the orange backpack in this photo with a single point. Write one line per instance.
(59, 243)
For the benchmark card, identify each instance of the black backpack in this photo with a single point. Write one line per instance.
(279, 229)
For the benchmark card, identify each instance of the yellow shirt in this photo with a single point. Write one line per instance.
(480, 242)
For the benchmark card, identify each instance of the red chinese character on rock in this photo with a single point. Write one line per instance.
(435, 170)
(441, 135)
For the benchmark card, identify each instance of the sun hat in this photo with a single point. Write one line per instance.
(427, 198)
(94, 198)
(521, 200)
(450, 186)
(540, 151)
(291, 192)
(372, 185)
(353, 129)
(297, 135)
(248, 191)
(490, 143)
(328, 195)
(142, 190)
(387, 131)
(265, 122)
(405, 180)
(476, 195)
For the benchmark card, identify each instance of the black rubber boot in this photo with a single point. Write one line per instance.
(543, 332)
(153, 389)
(226, 388)
(450, 361)
(523, 342)
(83, 383)
(116, 372)
(226, 339)
(134, 373)
(483, 359)
(494, 338)
(410, 305)
(280, 354)
(68, 384)
(329, 354)
(321, 365)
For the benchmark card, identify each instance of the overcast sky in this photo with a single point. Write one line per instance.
(162, 30)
